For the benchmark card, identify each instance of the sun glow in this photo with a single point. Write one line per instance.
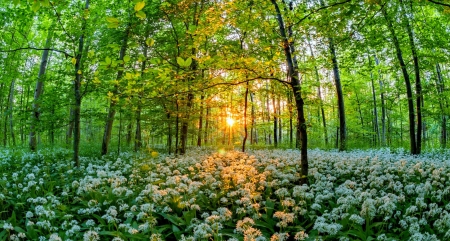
(230, 121)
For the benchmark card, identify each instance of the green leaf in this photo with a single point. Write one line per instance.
(36, 5)
(176, 232)
(46, 3)
(188, 62)
(150, 42)
(112, 20)
(188, 216)
(126, 58)
(108, 60)
(139, 6)
(141, 15)
(173, 219)
(180, 61)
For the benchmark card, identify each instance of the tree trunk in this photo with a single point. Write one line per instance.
(78, 96)
(418, 85)
(200, 122)
(383, 106)
(113, 102)
(206, 124)
(177, 127)
(293, 74)
(375, 112)
(411, 118)
(252, 129)
(36, 112)
(275, 121)
(280, 124)
(10, 112)
(340, 98)
(442, 106)
(319, 95)
(138, 133)
(245, 119)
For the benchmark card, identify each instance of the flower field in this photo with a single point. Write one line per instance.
(210, 195)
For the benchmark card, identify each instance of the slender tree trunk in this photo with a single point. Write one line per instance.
(200, 122)
(206, 125)
(36, 112)
(177, 127)
(340, 98)
(280, 124)
(383, 106)
(245, 119)
(442, 105)
(291, 129)
(120, 132)
(275, 121)
(252, 128)
(69, 131)
(418, 85)
(169, 134)
(375, 112)
(358, 102)
(289, 51)
(77, 92)
(398, 50)
(113, 102)
(319, 95)
(10, 113)
(138, 133)
(21, 109)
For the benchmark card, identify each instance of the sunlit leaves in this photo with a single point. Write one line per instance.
(150, 42)
(36, 5)
(184, 63)
(126, 58)
(141, 15)
(139, 6)
(107, 60)
(112, 22)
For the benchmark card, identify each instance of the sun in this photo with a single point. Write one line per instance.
(230, 121)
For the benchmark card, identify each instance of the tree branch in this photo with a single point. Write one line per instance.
(26, 48)
(439, 3)
(321, 8)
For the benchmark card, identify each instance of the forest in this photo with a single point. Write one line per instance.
(224, 120)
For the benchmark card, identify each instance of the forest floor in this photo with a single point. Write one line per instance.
(211, 195)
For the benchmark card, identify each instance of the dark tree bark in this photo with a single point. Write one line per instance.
(36, 112)
(245, 118)
(253, 127)
(293, 74)
(411, 117)
(383, 106)
(375, 111)
(10, 114)
(275, 121)
(206, 124)
(200, 122)
(340, 97)
(78, 96)
(442, 106)
(418, 85)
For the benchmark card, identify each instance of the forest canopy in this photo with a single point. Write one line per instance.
(170, 74)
